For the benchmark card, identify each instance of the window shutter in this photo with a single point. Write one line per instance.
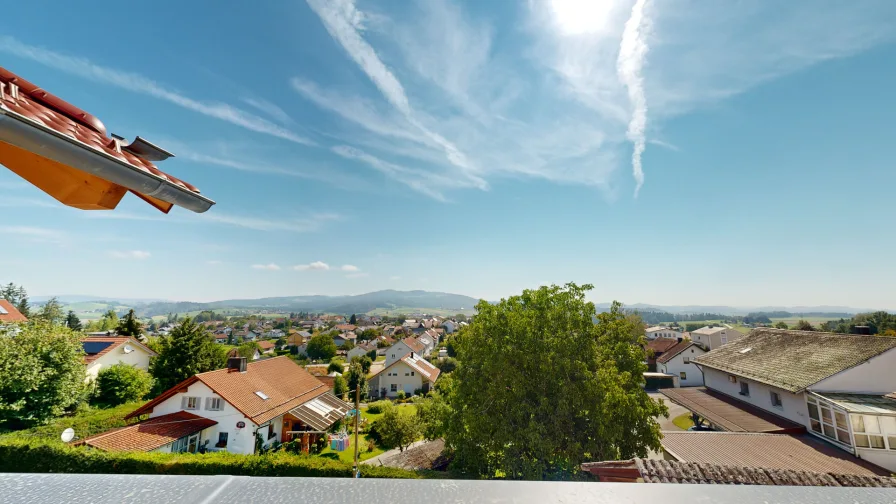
(183, 402)
(208, 403)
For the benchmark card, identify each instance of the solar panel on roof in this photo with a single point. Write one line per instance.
(95, 347)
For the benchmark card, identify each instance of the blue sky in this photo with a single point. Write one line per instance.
(672, 152)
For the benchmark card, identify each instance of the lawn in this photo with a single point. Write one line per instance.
(85, 423)
(349, 454)
(683, 422)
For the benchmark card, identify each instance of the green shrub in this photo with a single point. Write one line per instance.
(336, 366)
(20, 455)
(121, 383)
(379, 406)
(400, 395)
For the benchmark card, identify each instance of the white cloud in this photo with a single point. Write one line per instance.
(349, 267)
(129, 254)
(313, 222)
(137, 83)
(267, 267)
(269, 108)
(632, 53)
(316, 265)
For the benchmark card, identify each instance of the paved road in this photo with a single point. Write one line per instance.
(674, 411)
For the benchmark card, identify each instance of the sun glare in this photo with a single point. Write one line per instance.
(576, 17)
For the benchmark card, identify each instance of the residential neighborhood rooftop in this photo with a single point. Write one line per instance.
(150, 434)
(675, 350)
(9, 313)
(729, 413)
(670, 471)
(770, 451)
(285, 383)
(98, 346)
(862, 403)
(769, 356)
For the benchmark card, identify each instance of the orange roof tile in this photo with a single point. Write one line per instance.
(114, 342)
(285, 383)
(9, 313)
(150, 434)
(266, 345)
(38, 106)
(414, 344)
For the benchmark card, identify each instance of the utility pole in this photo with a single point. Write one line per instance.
(357, 417)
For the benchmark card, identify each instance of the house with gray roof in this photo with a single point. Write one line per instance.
(837, 387)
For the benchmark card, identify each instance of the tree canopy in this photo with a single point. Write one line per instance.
(535, 368)
(396, 429)
(321, 347)
(51, 312)
(130, 325)
(17, 296)
(41, 373)
(189, 349)
(121, 383)
(72, 321)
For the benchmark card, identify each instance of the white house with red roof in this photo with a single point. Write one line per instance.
(273, 400)
(397, 351)
(410, 373)
(104, 351)
(9, 314)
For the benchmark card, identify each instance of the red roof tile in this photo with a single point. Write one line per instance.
(672, 352)
(661, 345)
(285, 383)
(266, 345)
(150, 434)
(415, 345)
(114, 342)
(45, 109)
(9, 313)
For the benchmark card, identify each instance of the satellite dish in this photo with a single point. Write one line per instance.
(128, 349)
(68, 435)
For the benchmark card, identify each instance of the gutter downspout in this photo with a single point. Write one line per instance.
(55, 146)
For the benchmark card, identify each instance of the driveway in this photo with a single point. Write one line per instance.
(674, 411)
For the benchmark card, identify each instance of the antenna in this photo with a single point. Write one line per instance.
(68, 435)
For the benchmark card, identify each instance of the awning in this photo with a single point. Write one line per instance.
(321, 412)
(730, 414)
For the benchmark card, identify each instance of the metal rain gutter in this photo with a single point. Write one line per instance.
(49, 143)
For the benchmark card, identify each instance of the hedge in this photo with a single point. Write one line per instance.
(31, 456)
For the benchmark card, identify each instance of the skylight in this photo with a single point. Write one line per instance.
(262, 395)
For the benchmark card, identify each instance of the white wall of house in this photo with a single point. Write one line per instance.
(793, 406)
(875, 376)
(355, 352)
(676, 365)
(401, 375)
(882, 458)
(238, 440)
(396, 352)
(139, 358)
(663, 333)
(203, 435)
(716, 339)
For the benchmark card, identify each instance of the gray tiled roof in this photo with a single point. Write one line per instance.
(794, 360)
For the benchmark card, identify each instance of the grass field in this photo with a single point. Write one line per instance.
(363, 442)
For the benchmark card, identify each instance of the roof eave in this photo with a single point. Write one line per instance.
(789, 388)
(51, 144)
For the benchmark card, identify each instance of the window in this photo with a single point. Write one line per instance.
(407, 374)
(190, 403)
(687, 360)
(776, 399)
(683, 375)
(830, 422)
(867, 430)
(222, 440)
(271, 432)
(214, 404)
(412, 373)
(393, 387)
(732, 378)
(745, 389)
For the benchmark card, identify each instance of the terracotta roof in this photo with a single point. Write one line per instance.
(94, 348)
(346, 327)
(729, 413)
(285, 383)
(661, 345)
(150, 434)
(670, 471)
(42, 109)
(677, 349)
(415, 345)
(768, 356)
(770, 451)
(9, 313)
(266, 345)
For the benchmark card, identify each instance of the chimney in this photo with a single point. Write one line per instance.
(236, 364)
(863, 329)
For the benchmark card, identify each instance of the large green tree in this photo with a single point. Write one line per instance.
(41, 373)
(321, 347)
(51, 312)
(356, 378)
(72, 321)
(121, 383)
(189, 349)
(130, 325)
(542, 387)
(397, 429)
